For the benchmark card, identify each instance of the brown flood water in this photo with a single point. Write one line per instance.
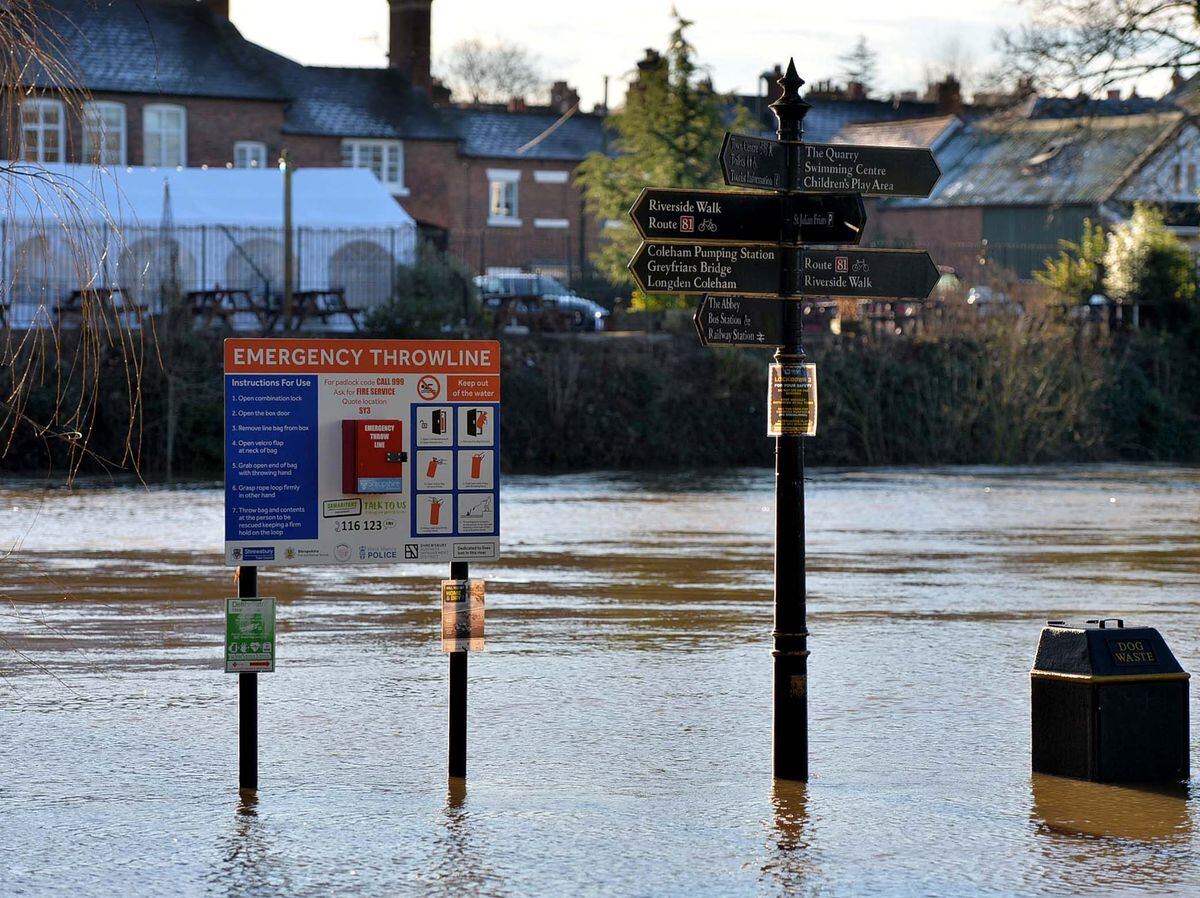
(620, 718)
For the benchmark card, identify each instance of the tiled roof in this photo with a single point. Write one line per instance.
(179, 48)
(829, 115)
(915, 132)
(1085, 107)
(361, 103)
(502, 135)
(157, 47)
(1044, 162)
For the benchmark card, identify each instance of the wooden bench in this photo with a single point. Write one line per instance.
(222, 303)
(322, 304)
(114, 297)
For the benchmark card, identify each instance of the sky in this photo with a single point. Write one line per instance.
(583, 42)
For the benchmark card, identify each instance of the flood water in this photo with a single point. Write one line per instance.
(620, 718)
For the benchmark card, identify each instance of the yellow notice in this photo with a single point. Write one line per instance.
(792, 400)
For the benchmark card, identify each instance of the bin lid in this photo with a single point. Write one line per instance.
(1104, 648)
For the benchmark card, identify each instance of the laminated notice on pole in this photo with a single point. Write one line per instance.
(462, 615)
(792, 400)
(249, 635)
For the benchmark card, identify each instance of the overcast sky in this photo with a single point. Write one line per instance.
(583, 42)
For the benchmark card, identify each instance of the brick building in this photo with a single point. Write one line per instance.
(172, 83)
(1013, 186)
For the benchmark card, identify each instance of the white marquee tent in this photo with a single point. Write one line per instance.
(201, 229)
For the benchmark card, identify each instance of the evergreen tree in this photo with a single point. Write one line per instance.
(1078, 272)
(859, 65)
(667, 135)
(1146, 263)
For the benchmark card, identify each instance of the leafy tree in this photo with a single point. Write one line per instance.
(859, 64)
(1146, 263)
(434, 296)
(490, 73)
(1078, 272)
(667, 135)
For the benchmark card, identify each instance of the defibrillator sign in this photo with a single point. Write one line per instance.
(346, 452)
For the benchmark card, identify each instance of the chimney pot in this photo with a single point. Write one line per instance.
(409, 42)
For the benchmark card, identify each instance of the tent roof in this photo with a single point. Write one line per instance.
(321, 197)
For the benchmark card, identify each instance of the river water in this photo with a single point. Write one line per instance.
(620, 717)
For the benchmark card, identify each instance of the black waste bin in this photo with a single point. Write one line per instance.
(1109, 704)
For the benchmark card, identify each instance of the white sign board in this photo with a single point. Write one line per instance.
(347, 452)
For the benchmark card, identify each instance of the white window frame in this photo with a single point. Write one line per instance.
(249, 154)
(160, 162)
(543, 176)
(356, 150)
(93, 126)
(557, 224)
(41, 127)
(504, 178)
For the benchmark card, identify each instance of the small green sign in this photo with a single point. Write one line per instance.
(249, 635)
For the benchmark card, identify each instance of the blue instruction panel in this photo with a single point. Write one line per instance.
(347, 452)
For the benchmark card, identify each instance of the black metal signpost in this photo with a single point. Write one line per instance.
(870, 171)
(738, 321)
(759, 270)
(733, 246)
(665, 214)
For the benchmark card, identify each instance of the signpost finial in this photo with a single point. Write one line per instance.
(790, 108)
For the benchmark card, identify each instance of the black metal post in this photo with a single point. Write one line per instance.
(459, 570)
(790, 635)
(248, 700)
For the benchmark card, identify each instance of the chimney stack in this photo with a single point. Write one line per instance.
(408, 43)
(949, 96)
(563, 97)
(1113, 93)
(219, 8)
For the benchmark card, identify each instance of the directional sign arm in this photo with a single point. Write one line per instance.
(868, 170)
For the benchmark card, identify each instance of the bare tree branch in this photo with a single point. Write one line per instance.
(490, 73)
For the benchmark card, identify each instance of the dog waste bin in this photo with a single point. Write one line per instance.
(1109, 704)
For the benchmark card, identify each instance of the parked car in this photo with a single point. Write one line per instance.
(537, 302)
(993, 302)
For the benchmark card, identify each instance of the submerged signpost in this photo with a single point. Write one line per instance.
(749, 255)
(345, 453)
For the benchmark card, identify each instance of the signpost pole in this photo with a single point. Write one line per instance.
(790, 635)
(459, 570)
(248, 699)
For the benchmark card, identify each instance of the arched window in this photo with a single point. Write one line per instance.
(164, 135)
(104, 133)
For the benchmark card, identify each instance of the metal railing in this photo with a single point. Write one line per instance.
(42, 265)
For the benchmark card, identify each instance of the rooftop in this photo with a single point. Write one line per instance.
(1079, 161)
(512, 135)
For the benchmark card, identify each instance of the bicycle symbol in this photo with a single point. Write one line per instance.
(708, 225)
(861, 265)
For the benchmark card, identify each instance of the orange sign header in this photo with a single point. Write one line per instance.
(264, 355)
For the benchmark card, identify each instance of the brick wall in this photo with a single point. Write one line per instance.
(212, 127)
(951, 235)
(540, 240)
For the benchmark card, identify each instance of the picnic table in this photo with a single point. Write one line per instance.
(222, 303)
(113, 297)
(322, 304)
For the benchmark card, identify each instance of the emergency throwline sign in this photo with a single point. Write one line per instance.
(347, 452)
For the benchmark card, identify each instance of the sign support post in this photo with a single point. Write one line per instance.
(459, 570)
(248, 699)
(745, 251)
(789, 748)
